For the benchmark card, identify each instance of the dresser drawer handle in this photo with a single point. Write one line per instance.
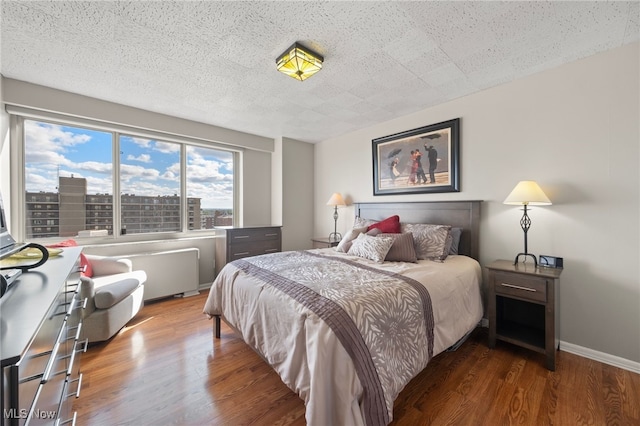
(78, 387)
(518, 287)
(244, 253)
(72, 306)
(270, 250)
(54, 355)
(270, 235)
(71, 421)
(241, 236)
(72, 287)
(78, 346)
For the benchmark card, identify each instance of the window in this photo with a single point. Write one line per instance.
(62, 165)
(71, 176)
(209, 187)
(149, 185)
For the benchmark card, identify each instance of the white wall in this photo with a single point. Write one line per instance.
(292, 192)
(4, 153)
(298, 181)
(574, 129)
(43, 98)
(256, 188)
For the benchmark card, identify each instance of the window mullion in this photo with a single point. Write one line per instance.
(184, 202)
(115, 173)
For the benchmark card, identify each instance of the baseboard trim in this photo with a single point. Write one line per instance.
(605, 358)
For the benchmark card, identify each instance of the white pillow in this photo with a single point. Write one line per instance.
(370, 247)
(359, 222)
(345, 243)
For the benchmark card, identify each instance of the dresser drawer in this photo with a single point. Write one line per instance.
(236, 243)
(236, 236)
(238, 251)
(521, 286)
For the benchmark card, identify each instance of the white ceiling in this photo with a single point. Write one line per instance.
(214, 61)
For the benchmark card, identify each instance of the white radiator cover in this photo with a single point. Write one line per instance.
(169, 273)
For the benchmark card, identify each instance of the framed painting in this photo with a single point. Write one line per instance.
(418, 161)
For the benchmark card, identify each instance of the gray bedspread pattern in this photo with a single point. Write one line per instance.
(383, 320)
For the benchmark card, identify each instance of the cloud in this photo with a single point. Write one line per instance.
(143, 158)
(167, 147)
(51, 137)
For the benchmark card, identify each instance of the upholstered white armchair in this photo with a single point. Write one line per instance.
(114, 293)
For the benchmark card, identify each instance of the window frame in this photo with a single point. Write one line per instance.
(18, 163)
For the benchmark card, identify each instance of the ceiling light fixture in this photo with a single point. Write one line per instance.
(299, 62)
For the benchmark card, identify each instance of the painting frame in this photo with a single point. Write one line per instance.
(397, 169)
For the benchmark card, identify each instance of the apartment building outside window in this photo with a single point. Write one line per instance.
(72, 172)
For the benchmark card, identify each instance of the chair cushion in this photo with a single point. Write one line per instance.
(108, 295)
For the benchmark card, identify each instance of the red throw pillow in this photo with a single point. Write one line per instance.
(87, 270)
(65, 243)
(390, 225)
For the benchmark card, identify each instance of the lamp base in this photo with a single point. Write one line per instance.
(335, 236)
(535, 261)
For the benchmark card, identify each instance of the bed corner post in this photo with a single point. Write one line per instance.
(216, 326)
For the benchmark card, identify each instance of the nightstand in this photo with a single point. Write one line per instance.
(522, 307)
(324, 242)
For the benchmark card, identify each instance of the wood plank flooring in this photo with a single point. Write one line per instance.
(166, 368)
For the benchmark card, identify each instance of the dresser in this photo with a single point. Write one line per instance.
(522, 306)
(236, 243)
(40, 321)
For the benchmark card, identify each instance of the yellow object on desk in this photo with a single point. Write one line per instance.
(32, 256)
(34, 253)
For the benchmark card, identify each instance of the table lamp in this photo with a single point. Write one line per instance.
(335, 201)
(527, 193)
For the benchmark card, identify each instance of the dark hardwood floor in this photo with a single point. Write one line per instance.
(166, 368)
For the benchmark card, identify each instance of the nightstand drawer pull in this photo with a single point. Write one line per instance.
(240, 236)
(244, 253)
(518, 287)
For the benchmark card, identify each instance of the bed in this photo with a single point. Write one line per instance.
(345, 332)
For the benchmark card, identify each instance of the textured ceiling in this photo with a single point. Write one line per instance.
(214, 61)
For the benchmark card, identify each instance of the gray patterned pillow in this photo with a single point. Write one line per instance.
(430, 240)
(402, 249)
(455, 240)
(372, 248)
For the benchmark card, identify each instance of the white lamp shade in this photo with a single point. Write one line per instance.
(527, 192)
(336, 200)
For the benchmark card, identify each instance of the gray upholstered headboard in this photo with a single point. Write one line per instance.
(461, 214)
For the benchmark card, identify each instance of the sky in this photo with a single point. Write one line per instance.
(147, 166)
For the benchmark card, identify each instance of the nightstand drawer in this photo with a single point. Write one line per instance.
(521, 286)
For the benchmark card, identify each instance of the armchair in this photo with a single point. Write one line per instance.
(114, 293)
